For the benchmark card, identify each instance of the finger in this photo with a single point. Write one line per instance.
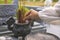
(28, 13)
(27, 17)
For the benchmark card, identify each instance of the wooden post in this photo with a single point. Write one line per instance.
(6, 1)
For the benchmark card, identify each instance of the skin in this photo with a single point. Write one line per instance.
(38, 36)
(32, 14)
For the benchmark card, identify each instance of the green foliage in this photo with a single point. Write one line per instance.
(9, 1)
(23, 10)
(21, 13)
(37, 0)
(55, 0)
(2, 1)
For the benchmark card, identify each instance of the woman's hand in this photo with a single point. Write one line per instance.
(32, 14)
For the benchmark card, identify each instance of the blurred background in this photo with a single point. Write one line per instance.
(29, 2)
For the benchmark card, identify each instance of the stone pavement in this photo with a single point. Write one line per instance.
(40, 36)
(35, 36)
(7, 38)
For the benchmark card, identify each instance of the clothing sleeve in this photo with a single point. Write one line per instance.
(57, 7)
(48, 15)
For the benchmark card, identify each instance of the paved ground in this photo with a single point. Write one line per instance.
(39, 36)
(35, 36)
(5, 37)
